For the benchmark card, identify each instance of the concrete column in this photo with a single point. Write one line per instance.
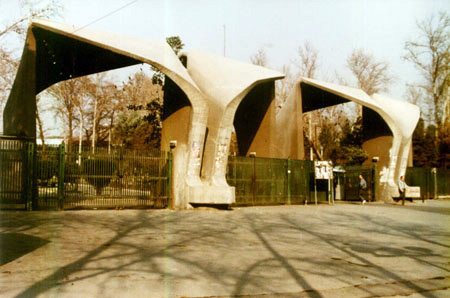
(19, 115)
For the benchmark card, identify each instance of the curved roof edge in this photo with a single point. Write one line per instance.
(157, 53)
(400, 116)
(222, 79)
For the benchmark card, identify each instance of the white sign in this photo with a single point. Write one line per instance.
(323, 169)
(412, 192)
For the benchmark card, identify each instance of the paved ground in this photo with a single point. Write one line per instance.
(346, 250)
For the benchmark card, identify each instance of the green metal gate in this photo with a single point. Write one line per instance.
(16, 165)
(434, 183)
(351, 182)
(269, 181)
(121, 178)
(50, 178)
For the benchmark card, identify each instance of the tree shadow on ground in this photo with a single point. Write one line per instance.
(164, 246)
(357, 249)
(15, 245)
(419, 206)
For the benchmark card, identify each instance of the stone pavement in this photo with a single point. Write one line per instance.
(345, 250)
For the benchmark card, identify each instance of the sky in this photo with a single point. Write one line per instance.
(237, 29)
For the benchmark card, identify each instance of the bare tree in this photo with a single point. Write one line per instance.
(17, 27)
(415, 95)
(260, 57)
(106, 102)
(8, 69)
(373, 76)
(283, 88)
(307, 65)
(67, 95)
(140, 125)
(430, 53)
(31, 9)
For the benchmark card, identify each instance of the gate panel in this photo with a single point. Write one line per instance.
(300, 180)
(240, 174)
(47, 176)
(351, 182)
(443, 182)
(119, 179)
(271, 181)
(13, 174)
(267, 181)
(420, 177)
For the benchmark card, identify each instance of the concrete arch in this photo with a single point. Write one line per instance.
(55, 52)
(225, 83)
(401, 118)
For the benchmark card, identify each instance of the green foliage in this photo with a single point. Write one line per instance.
(349, 156)
(352, 134)
(152, 120)
(344, 146)
(149, 125)
(99, 172)
(329, 139)
(175, 43)
(425, 149)
(133, 130)
(444, 146)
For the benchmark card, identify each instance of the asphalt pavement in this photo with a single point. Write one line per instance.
(345, 250)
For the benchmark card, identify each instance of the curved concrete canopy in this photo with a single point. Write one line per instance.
(54, 52)
(225, 83)
(400, 116)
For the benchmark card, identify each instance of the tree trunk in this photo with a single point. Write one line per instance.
(41, 132)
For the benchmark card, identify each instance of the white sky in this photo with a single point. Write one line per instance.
(333, 27)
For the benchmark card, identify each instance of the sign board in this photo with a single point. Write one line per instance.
(412, 192)
(323, 169)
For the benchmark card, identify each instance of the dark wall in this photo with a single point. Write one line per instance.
(174, 98)
(373, 125)
(250, 114)
(314, 98)
(60, 58)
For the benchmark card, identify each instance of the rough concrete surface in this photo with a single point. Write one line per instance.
(345, 250)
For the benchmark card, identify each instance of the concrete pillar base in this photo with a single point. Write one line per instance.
(208, 194)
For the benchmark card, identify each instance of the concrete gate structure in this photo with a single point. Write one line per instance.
(388, 125)
(210, 90)
(210, 96)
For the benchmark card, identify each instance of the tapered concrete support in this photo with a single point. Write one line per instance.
(400, 117)
(19, 115)
(289, 121)
(225, 83)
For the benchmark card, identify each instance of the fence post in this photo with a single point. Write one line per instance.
(288, 181)
(29, 176)
(254, 181)
(170, 195)
(375, 182)
(434, 172)
(61, 167)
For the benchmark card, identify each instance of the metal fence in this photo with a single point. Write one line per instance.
(352, 190)
(33, 177)
(269, 181)
(15, 167)
(434, 183)
(50, 178)
(443, 182)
